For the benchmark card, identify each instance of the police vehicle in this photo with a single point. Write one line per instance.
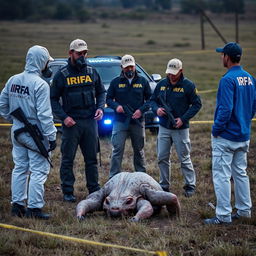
(108, 68)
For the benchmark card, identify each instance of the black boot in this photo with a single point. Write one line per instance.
(189, 190)
(37, 214)
(69, 198)
(18, 210)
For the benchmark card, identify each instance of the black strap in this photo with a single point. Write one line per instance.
(16, 136)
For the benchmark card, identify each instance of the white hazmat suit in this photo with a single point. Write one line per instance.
(31, 93)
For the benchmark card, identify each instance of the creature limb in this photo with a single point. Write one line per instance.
(144, 210)
(162, 198)
(93, 202)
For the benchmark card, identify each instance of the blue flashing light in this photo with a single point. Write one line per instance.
(156, 119)
(107, 121)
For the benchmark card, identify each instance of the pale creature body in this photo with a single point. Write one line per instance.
(129, 193)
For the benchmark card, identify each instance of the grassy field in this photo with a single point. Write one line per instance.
(152, 43)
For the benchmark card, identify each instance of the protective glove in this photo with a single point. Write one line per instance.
(52, 144)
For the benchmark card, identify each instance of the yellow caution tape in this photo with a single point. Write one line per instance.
(207, 91)
(161, 253)
(84, 241)
(191, 122)
(183, 52)
(209, 122)
(5, 125)
(166, 53)
(8, 125)
(201, 122)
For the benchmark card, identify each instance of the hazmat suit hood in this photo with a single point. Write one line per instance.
(36, 60)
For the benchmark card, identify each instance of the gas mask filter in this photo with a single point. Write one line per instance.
(47, 72)
(129, 74)
(81, 62)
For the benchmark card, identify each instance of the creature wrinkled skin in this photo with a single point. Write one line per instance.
(129, 193)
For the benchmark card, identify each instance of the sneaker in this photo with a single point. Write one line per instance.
(214, 221)
(69, 198)
(37, 214)
(236, 216)
(18, 210)
(189, 190)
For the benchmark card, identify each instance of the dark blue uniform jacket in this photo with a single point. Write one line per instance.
(136, 94)
(182, 99)
(81, 91)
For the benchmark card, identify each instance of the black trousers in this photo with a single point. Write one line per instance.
(85, 134)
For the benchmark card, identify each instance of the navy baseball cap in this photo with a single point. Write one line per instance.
(231, 49)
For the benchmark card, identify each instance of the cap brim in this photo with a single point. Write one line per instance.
(219, 49)
(128, 64)
(81, 49)
(172, 71)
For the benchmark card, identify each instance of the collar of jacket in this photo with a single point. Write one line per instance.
(122, 76)
(236, 67)
(74, 68)
(179, 83)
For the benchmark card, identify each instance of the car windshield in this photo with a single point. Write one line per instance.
(107, 73)
(108, 69)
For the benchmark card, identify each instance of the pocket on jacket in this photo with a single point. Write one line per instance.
(88, 98)
(75, 100)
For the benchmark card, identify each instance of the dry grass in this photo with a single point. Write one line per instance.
(186, 236)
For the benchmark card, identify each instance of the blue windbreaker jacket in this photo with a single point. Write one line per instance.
(235, 106)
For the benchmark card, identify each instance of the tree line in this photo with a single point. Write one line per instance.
(34, 10)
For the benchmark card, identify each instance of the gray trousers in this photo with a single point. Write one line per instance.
(120, 133)
(229, 159)
(180, 138)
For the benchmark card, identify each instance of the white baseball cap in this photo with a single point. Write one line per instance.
(78, 45)
(173, 66)
(127, 60)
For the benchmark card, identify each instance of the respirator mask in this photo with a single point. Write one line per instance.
(47, 72)
(129, 74)
(81, 62)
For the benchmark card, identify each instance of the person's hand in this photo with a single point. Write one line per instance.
(119, 109)
(98, 114)
(179, 122)
(137, 114)
(160, 112)
(69, 121)
(52, 145)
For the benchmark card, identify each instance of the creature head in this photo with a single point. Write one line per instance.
(117, 206)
